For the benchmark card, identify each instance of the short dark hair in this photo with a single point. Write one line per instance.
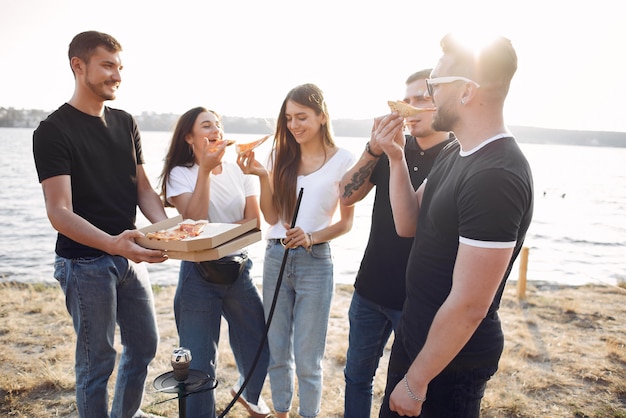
(422, 74)
(85, 43)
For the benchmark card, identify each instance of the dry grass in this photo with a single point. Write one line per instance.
(565, 355)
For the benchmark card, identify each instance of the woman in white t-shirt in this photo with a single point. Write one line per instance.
(197, 181)
(304, 157)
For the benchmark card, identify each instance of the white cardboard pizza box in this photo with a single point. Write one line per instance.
(212, 236)
(218, 252)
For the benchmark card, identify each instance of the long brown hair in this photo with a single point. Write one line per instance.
(180, 152)
(286, 156)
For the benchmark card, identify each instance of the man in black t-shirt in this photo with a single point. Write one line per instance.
(379, 287)
(469, 221)
(90, 165)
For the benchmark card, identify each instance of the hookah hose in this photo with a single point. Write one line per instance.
(269, 316)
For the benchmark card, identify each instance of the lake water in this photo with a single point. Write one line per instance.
(578, 233)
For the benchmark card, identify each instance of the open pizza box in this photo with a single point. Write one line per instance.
(215, 241)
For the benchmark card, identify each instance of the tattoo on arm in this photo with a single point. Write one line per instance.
(359, 178)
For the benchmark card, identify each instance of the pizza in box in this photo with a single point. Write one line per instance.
(184, 230)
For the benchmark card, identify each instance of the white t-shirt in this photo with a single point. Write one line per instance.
(228, 192)
(320, 196)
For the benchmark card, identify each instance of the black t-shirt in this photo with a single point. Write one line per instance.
(382, 272)
(484, 196)
(100, 154)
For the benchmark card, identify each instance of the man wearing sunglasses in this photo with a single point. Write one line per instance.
(469, 220)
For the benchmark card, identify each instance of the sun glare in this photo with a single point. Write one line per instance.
(475, 40)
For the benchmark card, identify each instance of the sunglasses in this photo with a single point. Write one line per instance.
(430, 82)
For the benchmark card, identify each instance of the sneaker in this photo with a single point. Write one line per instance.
(141, 414)
(259, 410)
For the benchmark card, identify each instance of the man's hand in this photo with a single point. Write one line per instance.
(389, 136)
(124, 245)
(374, 147)
(401, 401)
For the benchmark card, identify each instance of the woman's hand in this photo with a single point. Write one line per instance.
(249, 165)
(295, 237)
(210, 154)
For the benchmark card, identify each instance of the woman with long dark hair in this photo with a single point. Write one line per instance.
(202, 186)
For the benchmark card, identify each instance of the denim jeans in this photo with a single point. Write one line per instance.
(198, 309)
(370, 327)
(298, 328)
(454, 393)
(99, 292)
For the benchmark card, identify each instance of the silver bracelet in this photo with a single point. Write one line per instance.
(411, 394)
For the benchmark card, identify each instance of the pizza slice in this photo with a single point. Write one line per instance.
(191, 227)
(186, 229)
(229, 142)
(167, 235)
(406, 110)
(249, 146)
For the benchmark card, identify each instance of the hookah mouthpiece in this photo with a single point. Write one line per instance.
(181, 357)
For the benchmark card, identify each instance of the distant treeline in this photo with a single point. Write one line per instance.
(151, 121)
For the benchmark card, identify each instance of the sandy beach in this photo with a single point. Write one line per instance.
(565, 355)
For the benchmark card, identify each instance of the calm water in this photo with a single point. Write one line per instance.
(578, 234)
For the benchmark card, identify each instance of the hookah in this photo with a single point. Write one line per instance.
(183, 380)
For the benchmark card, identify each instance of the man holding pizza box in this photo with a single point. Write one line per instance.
(90, 164)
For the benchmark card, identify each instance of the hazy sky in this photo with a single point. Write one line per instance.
(240, 58)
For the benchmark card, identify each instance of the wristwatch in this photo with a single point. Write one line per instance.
(369, 151)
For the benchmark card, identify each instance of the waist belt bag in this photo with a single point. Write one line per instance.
(226, 270)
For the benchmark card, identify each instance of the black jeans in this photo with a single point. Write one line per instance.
(454, 393)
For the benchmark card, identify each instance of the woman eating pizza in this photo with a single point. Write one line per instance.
(202, 186)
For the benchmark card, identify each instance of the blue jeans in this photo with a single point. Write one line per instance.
(198, 309)
(370, 327)
(297, 332)
(454, 393)
(99, 292)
